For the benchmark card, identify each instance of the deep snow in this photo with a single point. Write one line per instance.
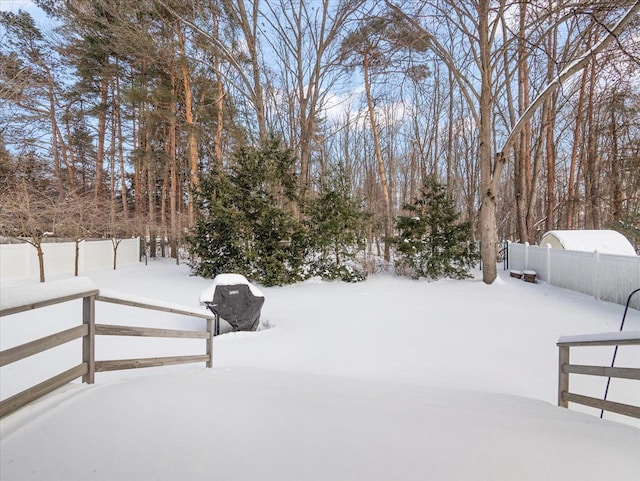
(386, 379)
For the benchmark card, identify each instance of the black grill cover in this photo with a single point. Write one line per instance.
(237, 305)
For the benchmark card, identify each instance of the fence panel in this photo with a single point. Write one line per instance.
(608, 277)
(99, 255)
(19, 261)
(618, 277)
(565, 396)
(59, 257)
(517, 259)
(572, 270)
(25, 298)
(537, 256)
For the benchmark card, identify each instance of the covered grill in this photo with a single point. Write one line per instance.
(235, 300)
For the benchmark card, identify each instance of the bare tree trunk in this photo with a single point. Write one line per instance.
(123, 174)
(173, 195)
(488, 225)
(172, 173)
(38, 247)
(66, 154)
(151, 190)
(450, 132)
(115, 243)
(138, 162)
(575, 148)
(102, 127)
(305, 118)
(217, 139)
(54, 136)
(378, 150)
(536, 171)
(550, 150)
(591, 170)
(413, 175)
(614, 161)
(77, 258)
(435, 171)
(550, 146)
(522, 171)
(249, 27)
(192, 145)
(71, 164)
(112, 166)
(164, 196)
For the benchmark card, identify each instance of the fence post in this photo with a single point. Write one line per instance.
(526, 256)
(88, 341)
(507, 246)
(563, 377)
(596, 280)
(210, 343)
(548, 264)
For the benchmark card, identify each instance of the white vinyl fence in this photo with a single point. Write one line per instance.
(604, 276)
(18, 261)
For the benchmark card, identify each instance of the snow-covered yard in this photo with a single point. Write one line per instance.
(386, 379)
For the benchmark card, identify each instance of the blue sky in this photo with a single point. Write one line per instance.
(26, 5)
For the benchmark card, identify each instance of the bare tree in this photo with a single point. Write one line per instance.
(30, 216)
(114, 226)
(79, 222)
(31, 88)
(305, 43)
(479, 23)
(369, 49)
(575, 66)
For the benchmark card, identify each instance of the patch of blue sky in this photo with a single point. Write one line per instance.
(28, 6)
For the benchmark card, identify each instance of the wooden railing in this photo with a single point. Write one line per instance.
(87, 331)
(565, 368)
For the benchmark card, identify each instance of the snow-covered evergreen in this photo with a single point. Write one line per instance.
(432, 241)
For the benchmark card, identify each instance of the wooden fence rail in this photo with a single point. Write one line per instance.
(87, 331)
(565, 368)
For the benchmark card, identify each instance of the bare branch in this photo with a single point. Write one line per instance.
(563, 76)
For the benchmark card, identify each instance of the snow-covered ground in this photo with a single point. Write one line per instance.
(386, 379)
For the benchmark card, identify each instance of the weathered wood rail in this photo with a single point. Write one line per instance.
(565, 368)
(88, 331)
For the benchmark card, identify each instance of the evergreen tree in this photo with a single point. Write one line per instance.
(432, 242)
(216, 240)
(336, 223)
(245, 225)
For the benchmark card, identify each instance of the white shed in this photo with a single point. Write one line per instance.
(603, 241)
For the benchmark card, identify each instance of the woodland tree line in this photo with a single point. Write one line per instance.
(114, 115)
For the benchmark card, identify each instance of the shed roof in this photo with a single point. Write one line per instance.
(603, 241)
